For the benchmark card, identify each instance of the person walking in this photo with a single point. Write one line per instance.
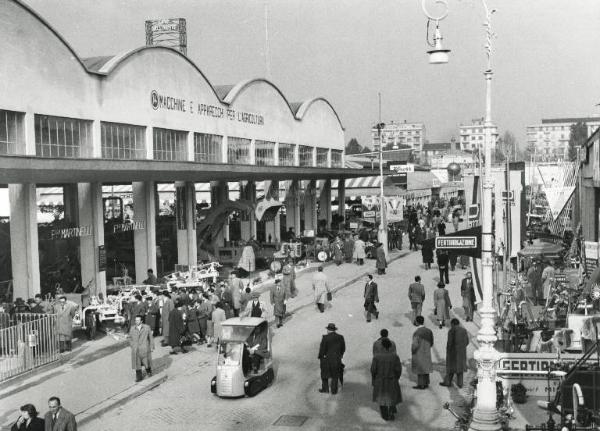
(416, 296)
(381, 263)
(176, 329)
(320, 285)
(359, 250)
(337, 251)
(547, 280)
(467, 291)
(386, 370)
(65, 311)
(412, 238)
(371, 297)
(443, 260)
(534, 276)
(288, 281)
(456, 354)
(58, 418)
(422, 341)
(237, 287)
(331, 352)
(165, 311)
(255, 308)
(377, 345)
(142, 345)
(348, 248)
(441, 299)
(427, 253)
(28, 420)
(279, 297)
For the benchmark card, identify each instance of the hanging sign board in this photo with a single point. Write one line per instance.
(394, 209)
(453, 242)
(101, 258)
(591, 255)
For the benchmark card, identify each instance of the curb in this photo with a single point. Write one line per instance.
(121, 398)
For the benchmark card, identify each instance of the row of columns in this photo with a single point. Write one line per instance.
(84, 207)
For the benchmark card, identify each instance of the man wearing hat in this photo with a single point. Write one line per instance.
(64, 317)
(331, 352)
(279, 297)
(255, 308)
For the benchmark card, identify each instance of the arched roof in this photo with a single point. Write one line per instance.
(105, 65)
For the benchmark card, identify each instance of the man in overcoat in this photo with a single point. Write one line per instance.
(467, 291)
(348, 248)
(58, 418)
(320, 285)
(142, 345)
(371, 297)
(456, 354)
(378, 344)
(381, 263)
(65, 311)
(165, 311)
(422, 342)
(386, 370)
(279, 297)
(176, 329)
(416, 296)
(331, 351)
(237, 287)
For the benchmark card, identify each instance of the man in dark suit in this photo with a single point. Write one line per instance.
(443, 260)
(331, 352)
(57, 418)
(371, 298)
(416, 296)
(456, 354)
(467, 291)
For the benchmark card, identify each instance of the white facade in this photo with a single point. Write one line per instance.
(551, 137)
(395, 134)
(472, 136)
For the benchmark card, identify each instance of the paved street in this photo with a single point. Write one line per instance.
(185, 399)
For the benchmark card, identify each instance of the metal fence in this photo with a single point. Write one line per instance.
(27, 341)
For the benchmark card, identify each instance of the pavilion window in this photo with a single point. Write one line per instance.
(122, 141)
(12, 136)
(207, 148)
(62, 137)
(286, 154)
(238, 151)
(322, 156)
(305, 155)
(264, 153)
(336, 158)
(169, 144)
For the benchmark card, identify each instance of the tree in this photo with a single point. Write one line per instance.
(577, 138)
(505, 147)
(353, 147)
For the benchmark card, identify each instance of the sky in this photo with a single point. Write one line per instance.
(544, 61)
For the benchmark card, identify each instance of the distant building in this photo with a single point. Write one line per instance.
(434, 151)
(472, 136)
(462, 158)
(395, 135)
(551, 137)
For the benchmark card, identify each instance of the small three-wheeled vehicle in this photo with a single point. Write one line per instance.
(244, 359)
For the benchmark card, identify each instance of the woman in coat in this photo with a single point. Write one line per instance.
(386, 370)
(427, 253)
(441, 299)
(165, 311)
(359, 250)
(176, 329)
(381, 263)
(28, 420)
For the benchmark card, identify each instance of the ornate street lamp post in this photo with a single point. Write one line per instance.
(485, 414)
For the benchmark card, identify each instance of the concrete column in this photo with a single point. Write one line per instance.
(248, 227)
(70, 198)
(296, 155)
(310, 205)
(24, 240)
(91, 214)
(292, 205)
(144, 240)
(187, 252)
(149, 143)
(314, 156)
(253, 152)
(325, 203)
(29, 129)
(219, 194)
(342, 198)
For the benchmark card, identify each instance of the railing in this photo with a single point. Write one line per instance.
(29, 341)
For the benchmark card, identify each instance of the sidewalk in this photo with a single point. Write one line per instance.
(98, 375)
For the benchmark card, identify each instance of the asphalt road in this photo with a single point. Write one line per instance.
(184, 401)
